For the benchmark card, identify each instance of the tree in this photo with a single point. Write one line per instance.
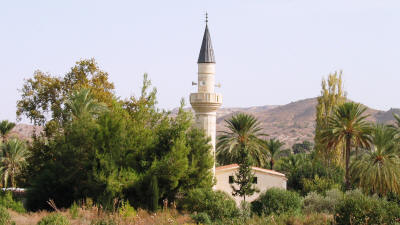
(332, 95)
(304, 147)
(244, 177)
(154, 193)
(347, 125)
(378, 171)
(274, 149)
(13, 156)
(241, 130)
(5, 128)
(44, 96)
(82, 103)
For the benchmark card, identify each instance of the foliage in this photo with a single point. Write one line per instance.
(303, 147)
(74, 210)
(318, 184)
(217, 205)
(13, 154)
(274, 150)
(305, 172)
(81, 103)
(347, 125)
(44, 96)
(54, 219)
(317, 203)
(114, 153)
(357, 208)
(155, 195)
(7, 201)
(378, 171)
(5, 128)
(5, 218)
(126, 210)
(241, 130)
(277, 201)
(332, 95)
(201, 218)
(243, 180)
(103, 222)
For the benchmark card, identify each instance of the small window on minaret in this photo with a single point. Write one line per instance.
(231, 179)
(202, 83)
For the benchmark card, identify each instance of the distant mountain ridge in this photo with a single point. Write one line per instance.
(290, 123)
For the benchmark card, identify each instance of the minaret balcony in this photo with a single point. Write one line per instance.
(205, 102)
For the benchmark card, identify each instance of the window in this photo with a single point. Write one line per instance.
(231, 179)
(255, 180)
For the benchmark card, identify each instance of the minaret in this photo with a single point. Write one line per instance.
(206, 102)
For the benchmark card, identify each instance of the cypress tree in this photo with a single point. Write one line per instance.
(154, 193)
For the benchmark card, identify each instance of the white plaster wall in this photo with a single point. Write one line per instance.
(264, 182)
(206, 77)
(207, 122)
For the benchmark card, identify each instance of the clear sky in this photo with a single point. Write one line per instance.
(267, 51)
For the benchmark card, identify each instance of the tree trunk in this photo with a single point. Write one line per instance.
(348, 146)
(271, 163)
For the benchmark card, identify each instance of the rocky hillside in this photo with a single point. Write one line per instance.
(290, 123)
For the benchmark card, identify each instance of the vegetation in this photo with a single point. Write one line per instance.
(277, 201)
(274, 148)
(332, 95)
(106, 161)
(348, 125)
(242, 130)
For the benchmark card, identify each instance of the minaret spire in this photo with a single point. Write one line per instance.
(206, 54)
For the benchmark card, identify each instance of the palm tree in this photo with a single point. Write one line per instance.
(82, 103)
(274, 149)
(378, 171)
(242, 130)
(5, 128)
(348, 125)
(13, 154)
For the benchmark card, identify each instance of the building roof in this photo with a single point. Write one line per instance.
(206, 52)
(235, 166)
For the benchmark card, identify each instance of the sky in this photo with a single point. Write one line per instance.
(268, 52)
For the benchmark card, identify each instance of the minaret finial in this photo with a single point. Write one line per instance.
(206, 18)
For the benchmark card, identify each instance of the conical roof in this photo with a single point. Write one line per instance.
(206, 52)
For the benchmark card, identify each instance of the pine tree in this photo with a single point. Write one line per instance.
(244, 177)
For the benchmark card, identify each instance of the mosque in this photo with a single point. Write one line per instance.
(205, 102)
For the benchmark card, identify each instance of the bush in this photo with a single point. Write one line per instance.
(315, 202)
(318, 184)
(277, 201)
(357, 208)
(103, 222)
(54, 219)
(217, 205)
(201, 218)
(74, 211)
(7, 201)
(126, 210)
(5, 218)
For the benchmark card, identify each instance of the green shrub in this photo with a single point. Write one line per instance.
(126, 210)
(5, 218)
(103, 222)
(54, 219)
(318, 184)
(315, 202)
(217, 205)
(74, 210)
(277, 201)
(201, 218)
(357, 208)
(7, 201)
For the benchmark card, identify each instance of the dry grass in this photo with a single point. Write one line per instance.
(91, 215)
